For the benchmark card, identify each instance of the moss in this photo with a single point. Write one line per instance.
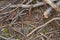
(4, 30)
(18, 37)
(43, 31)
(33, 2)
(30, 27)
(54, 28)
(6, 34)
(3, 34)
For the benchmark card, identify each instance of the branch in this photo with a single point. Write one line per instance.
(5, 7)
(27, 6)
(47, 12)
(57, 18)
(52, 5)
(3, 37)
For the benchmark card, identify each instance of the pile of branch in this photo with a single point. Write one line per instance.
(25, 19)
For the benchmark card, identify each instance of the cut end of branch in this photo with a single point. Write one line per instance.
(45, 16)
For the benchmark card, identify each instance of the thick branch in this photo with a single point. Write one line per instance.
(52, 5)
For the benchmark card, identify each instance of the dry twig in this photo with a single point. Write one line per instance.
(5, 7)
(27, 6)
(57, 18)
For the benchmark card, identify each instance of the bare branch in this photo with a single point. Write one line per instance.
(47, 12)
(27, 6)
(8, 12)
(5, 7)
(57, 18)
(52, 5)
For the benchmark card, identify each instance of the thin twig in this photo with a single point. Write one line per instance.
(18, 31)
(8, 12)
(44, 35)
(57, 18)
(30, 13)
(57, 23)
(42, 38)
(5, 7)
(56, 31)
(27, 6)
(3, 37)
(15, 18)
(11, 37)
(50, 37)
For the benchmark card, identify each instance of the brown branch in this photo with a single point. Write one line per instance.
(27, 6)
(57, 18)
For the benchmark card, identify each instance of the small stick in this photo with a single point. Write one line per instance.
(57, 23)
(15, 18)
(42, 38)
(8, 12)
(44, 35)
(5, 7)
(27, 6)
(18, 31)
(29, 1)
(30, 13)
(3, 37)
